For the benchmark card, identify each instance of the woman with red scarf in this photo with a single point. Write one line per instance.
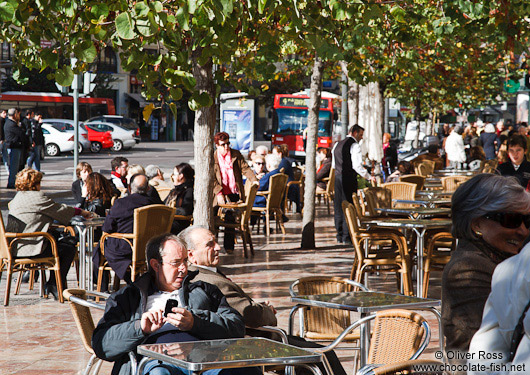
(229, 166)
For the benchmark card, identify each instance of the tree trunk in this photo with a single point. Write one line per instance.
(417, 117)
(308, 220)
(203, 146)
(353, 102)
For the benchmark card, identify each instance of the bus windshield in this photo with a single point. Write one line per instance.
(294, 121)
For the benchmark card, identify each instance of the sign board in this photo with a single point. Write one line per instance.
(301, 102)
(237, 119)
(154, 129)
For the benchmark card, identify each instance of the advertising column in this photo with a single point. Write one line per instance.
(237, 119)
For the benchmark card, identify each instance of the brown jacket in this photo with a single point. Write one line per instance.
(240, 166)
(254, 314)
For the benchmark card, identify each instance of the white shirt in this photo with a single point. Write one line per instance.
(356, 159)
(158, 300)
(454, 148)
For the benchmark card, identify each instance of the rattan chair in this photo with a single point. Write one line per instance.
(377, 197)
(318, 323)
(149, 221)
(329, 193)
(425, 168)
(80, 308)
(188, 218)
(406, 367)
(414, 179)
(397, 260)
(436, 258)
(163, 191)
(277, 185)
(451, 183)
(401, 191)
(13, 264)
(243, 212)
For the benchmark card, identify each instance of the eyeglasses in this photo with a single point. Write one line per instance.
(224, 144)
(259, 163)
(510, 220)
(176, 264)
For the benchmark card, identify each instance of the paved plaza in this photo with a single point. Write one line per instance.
(39, 336)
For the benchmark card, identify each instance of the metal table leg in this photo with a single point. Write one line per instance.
(82, 255)
(420, 232)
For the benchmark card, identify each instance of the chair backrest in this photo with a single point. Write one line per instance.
(359, 206)
(163, 191)
(425, 168)
(82, 316)
(377, 197)
(352, 220)
(149, 221)
(321, 320)
(330, 187)
(396, 336)
(250, 196)
(277, 184)
(451, 183)
(414, 179)
(494, 163)
(4, 245)
(488, 169)
(401, 190)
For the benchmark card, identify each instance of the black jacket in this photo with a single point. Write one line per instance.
(183, 196)
(35, 133)
(77, 191)
(323, 172)
(119, 331)
(14, 135)
(522, 173)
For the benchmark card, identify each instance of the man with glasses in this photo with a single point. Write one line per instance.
(229, 167)
(164, 306)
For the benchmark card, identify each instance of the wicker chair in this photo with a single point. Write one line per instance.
(80, 308)
(414, 179)
(451, 183)
(277, 185)
(401, 191)
(377, 197)
(188, 218)
(425, 168)
(318, 323)
(329, 193)
(394, 261)
(406, 367)
(12, 264)
(299, 179)
(149, 221)
(434, 257)
(163, 191)
(242, 224)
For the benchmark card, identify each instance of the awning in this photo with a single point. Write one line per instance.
(142, 102)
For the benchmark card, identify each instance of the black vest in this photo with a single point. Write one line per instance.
(342, 156)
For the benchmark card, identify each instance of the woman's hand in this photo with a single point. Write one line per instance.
(87, 214)
(220, 199)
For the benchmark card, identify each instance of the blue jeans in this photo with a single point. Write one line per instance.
(155, 368)
(14, 160)
(34, 157)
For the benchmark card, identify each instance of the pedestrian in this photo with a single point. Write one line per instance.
(15, 141)
(347, 161)
(454, 148)
(36, 140)
(489, 141)
(3, 148)
(25, 124)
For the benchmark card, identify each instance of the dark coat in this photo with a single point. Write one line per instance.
(14, 135)
(121, 220)
(183, 196)
(466, 285)
(261, 201)
(487, 141)
(323, 172)
(77, 191)
(287, 169)
(240, 167)
(119, 332)
(522, 173)
(35, 133)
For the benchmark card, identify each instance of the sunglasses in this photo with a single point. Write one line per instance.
(511, 220)
(259, 163)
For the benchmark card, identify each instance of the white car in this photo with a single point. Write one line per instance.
(56, 141)
(123, 138)
(68, 126)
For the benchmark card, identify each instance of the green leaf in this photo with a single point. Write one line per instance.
(261, 6)
(194, 106)
(192, 6)
(183, 18)
(7, 11)
(145, 27)
(64, 76)
(339, 10)
(100, 10)
(125, 26)
(204, 99)
(17, 76)
(228, 7)
(398, 14)
(173, 108)
(156, 6)
(141, 9)
(175, 93)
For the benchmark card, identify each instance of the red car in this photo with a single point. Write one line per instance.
(98, 139)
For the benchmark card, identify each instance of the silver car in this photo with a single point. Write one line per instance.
(65, 125)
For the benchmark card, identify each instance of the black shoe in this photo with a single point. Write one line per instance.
(285, 218)
(25, 277)
(51, 289)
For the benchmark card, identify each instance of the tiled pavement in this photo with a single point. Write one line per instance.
(39, 336)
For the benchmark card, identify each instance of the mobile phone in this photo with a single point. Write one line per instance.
(169, 306)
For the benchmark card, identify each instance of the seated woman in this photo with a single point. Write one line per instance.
(325, 167)
(403, 168)
(272, 161)
(82, 170)
(487, 213)
(181, 196)
(32, 211)
(282, 151)
(98, 193)
(258, 166)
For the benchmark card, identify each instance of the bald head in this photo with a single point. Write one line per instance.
(203, 249)
(139, 184)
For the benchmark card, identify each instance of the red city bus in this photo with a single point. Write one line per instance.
(290, 120)
(53, 105)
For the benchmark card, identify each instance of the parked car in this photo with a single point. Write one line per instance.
(64, 125)
(56, 141)
(123, 138)
(124, 122)
(98, 139)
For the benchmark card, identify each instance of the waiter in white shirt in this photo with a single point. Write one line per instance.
(347, 161)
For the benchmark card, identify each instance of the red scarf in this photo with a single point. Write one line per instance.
(123, 179)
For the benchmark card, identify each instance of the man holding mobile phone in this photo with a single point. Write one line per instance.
(137, 315)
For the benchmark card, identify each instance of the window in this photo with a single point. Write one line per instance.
(107, 61)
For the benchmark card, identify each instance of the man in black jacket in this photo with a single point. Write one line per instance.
(15, 141)
(121, 220)
(141, 313)
(518, 166)
(36, 140)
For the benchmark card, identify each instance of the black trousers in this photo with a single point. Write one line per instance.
(343, 192)
(66, 256)
(230, 233)
(332, 358)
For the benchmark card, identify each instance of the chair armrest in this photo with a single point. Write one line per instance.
(183, 217)
(344, 333)
(263, 192)
(65, 228)
(121, 236)
(29, 235)
(233, 205)
(273, 329)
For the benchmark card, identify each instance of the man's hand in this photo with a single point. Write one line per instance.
(152, 321)
(180, 318)
(373, 180)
